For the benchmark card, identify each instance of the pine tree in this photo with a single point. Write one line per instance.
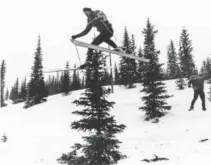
(155, 97)
(209, 92)
(206, 68)
(172, 62)
(75, 81)
(203, 70)
(132, 61)
(2, 83)
(11, 94)
(66, 81)
(50, 85)
(100, 146)
(23, 91)
(83, 85)
(140, 67)
(106, 77)
(58, 84)
(37, 89)
(15, 91)
(209, 67)
(116, 74)
(180, 83)
(185, 54)
(7, 94)
(127, 65)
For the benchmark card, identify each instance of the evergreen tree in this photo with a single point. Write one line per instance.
(208, 67)
(127, 65)
(83, 85)
(58, 84)
(172, 62)
(106, 77)
(204, 69)
(100, 146)
(7, 94)
(155, 97)
(23, 91)
(132, 61)
(37, 89)
(2, 83)
(75, 81)
(140, 67)
(209, 94)
(16, 91)
(116, 74)
(180, 83)
(14, 95)
(66, 81)
(50, 84)
(185, 54)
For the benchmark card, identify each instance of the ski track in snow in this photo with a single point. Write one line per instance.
(39, 135)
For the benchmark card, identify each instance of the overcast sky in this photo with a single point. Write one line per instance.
(22, 21)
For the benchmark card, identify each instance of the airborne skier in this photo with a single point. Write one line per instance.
(99, 20)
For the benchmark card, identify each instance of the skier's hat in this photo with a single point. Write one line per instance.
(87, 9)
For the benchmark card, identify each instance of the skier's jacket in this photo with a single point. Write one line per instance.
(99, 20)
(197, 82)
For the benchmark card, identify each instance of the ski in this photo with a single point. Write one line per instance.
(86, 45)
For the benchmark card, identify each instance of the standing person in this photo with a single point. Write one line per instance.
(197, 83)
(99, 20)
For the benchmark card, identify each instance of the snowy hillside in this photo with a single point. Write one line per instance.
(39, 135)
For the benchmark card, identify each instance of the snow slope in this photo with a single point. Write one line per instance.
(39, 135)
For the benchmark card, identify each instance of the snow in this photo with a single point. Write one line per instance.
(39, 135)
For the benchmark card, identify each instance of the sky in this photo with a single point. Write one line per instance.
(55, 21)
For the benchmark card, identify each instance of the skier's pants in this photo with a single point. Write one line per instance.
(202, 96)
(104, 36)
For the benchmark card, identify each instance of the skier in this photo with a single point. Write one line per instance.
(99, 20)
(197, 83)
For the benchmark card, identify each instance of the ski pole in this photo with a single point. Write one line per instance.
(78, 54)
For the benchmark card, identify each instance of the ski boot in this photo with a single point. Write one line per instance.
(204, 109)
(120, 49)
(85, 65)
(191, 108)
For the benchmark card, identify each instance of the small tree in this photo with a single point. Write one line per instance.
(75, 81)
(116, 74)
(7, 94)
(100, 146)
(180, 82)
(66, 81)
(172, 62)
(127, 65)
(2, 83)
(23, 91)
(37, 90)
(140, 66)
(155, 93)
(185, 54)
